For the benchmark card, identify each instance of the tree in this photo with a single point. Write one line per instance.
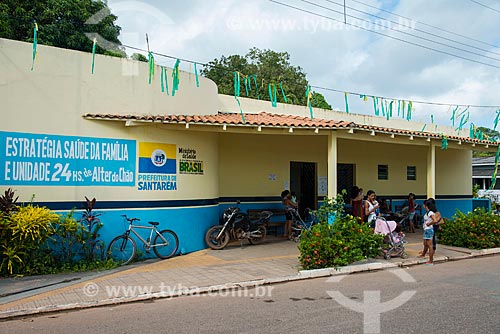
(139, 57)
(61, 23)
(270, 67)
(489, 134)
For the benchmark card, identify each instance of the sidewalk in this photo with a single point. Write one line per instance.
(236, 266)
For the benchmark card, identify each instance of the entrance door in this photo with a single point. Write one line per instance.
(345, 179)
(303, 182)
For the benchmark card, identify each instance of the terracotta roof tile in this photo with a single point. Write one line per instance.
(274, 120)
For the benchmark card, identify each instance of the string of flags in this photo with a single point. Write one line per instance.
(381, 106)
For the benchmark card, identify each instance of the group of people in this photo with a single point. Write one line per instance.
(370, 209)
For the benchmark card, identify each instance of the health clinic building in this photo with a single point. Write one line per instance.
(180, 160)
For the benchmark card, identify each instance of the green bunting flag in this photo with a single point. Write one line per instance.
(375, 105)
(495, 123)
(237, 83)
(35, 43)
(151, 61)
(472, 131)
(399, 108)
(383, 109)
(246, 82)
(256, 86)
(444, 143)
(309, 102)
(432, 119)
(346, 103)
(241, 110)
(453, 116)
(494, 176)
(403, 109)
(164, 80)
(364, 97)
(390, 107)
(408, 113)
(175, 77)
(463, 120)
(196, 74)
(387, 113)
(93, 54)
(283, 92)
(423, 128)
(272, 95)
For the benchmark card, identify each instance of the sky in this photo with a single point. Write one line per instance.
(339, 56)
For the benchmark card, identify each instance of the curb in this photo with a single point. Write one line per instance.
(200, 291)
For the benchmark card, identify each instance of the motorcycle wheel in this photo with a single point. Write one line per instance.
(255, 241)
(211, 237)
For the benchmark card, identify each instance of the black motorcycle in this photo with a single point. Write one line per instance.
(237, 225)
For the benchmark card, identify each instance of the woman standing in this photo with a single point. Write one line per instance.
(371, 207)
(430, 219)
(356, 202)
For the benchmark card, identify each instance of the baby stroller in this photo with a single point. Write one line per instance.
(299, 224)
(394, 238)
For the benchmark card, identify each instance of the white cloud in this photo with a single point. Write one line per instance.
(334, 55)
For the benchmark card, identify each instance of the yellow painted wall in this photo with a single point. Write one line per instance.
(368, 155)
(245, 161)
(52, 98)
(453, 172)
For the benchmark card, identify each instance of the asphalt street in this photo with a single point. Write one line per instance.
(451, 297)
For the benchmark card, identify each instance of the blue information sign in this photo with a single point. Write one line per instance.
(53, 160)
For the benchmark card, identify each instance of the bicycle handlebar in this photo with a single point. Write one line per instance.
(131, 220)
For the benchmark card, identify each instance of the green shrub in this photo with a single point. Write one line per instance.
(24, 231)
(345, 241)
(476, 230)
(35, 240)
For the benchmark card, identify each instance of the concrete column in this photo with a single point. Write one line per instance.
(431, 171)
(332, 164)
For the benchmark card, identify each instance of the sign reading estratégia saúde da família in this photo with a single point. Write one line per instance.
(54, 160)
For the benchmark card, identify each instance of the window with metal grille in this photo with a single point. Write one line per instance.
(383, 172)
(411, 173)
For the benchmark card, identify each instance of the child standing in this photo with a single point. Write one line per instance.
(429, 221)
(411, 212)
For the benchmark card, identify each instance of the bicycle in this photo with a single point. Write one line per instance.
(122, 248)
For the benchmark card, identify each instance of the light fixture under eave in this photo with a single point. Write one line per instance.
(187, 125)
(316, 130)
(351, 130)
(473, 144)
(411, 137)
(290, 130)
(224, 127)
(259, 128)
(459, 142)
(392, 135)
(428, 139)
(487, 146)
(372, 133)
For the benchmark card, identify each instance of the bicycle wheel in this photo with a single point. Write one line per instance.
(165, 244)
(121, 249)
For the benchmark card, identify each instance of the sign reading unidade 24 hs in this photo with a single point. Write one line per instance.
(53, 160)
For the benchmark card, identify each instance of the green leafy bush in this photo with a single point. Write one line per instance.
(476, 230)
(345, 241)
(35, 240)
(24, 231)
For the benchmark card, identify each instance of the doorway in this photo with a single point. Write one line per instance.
(345, 179)
(303, 182)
